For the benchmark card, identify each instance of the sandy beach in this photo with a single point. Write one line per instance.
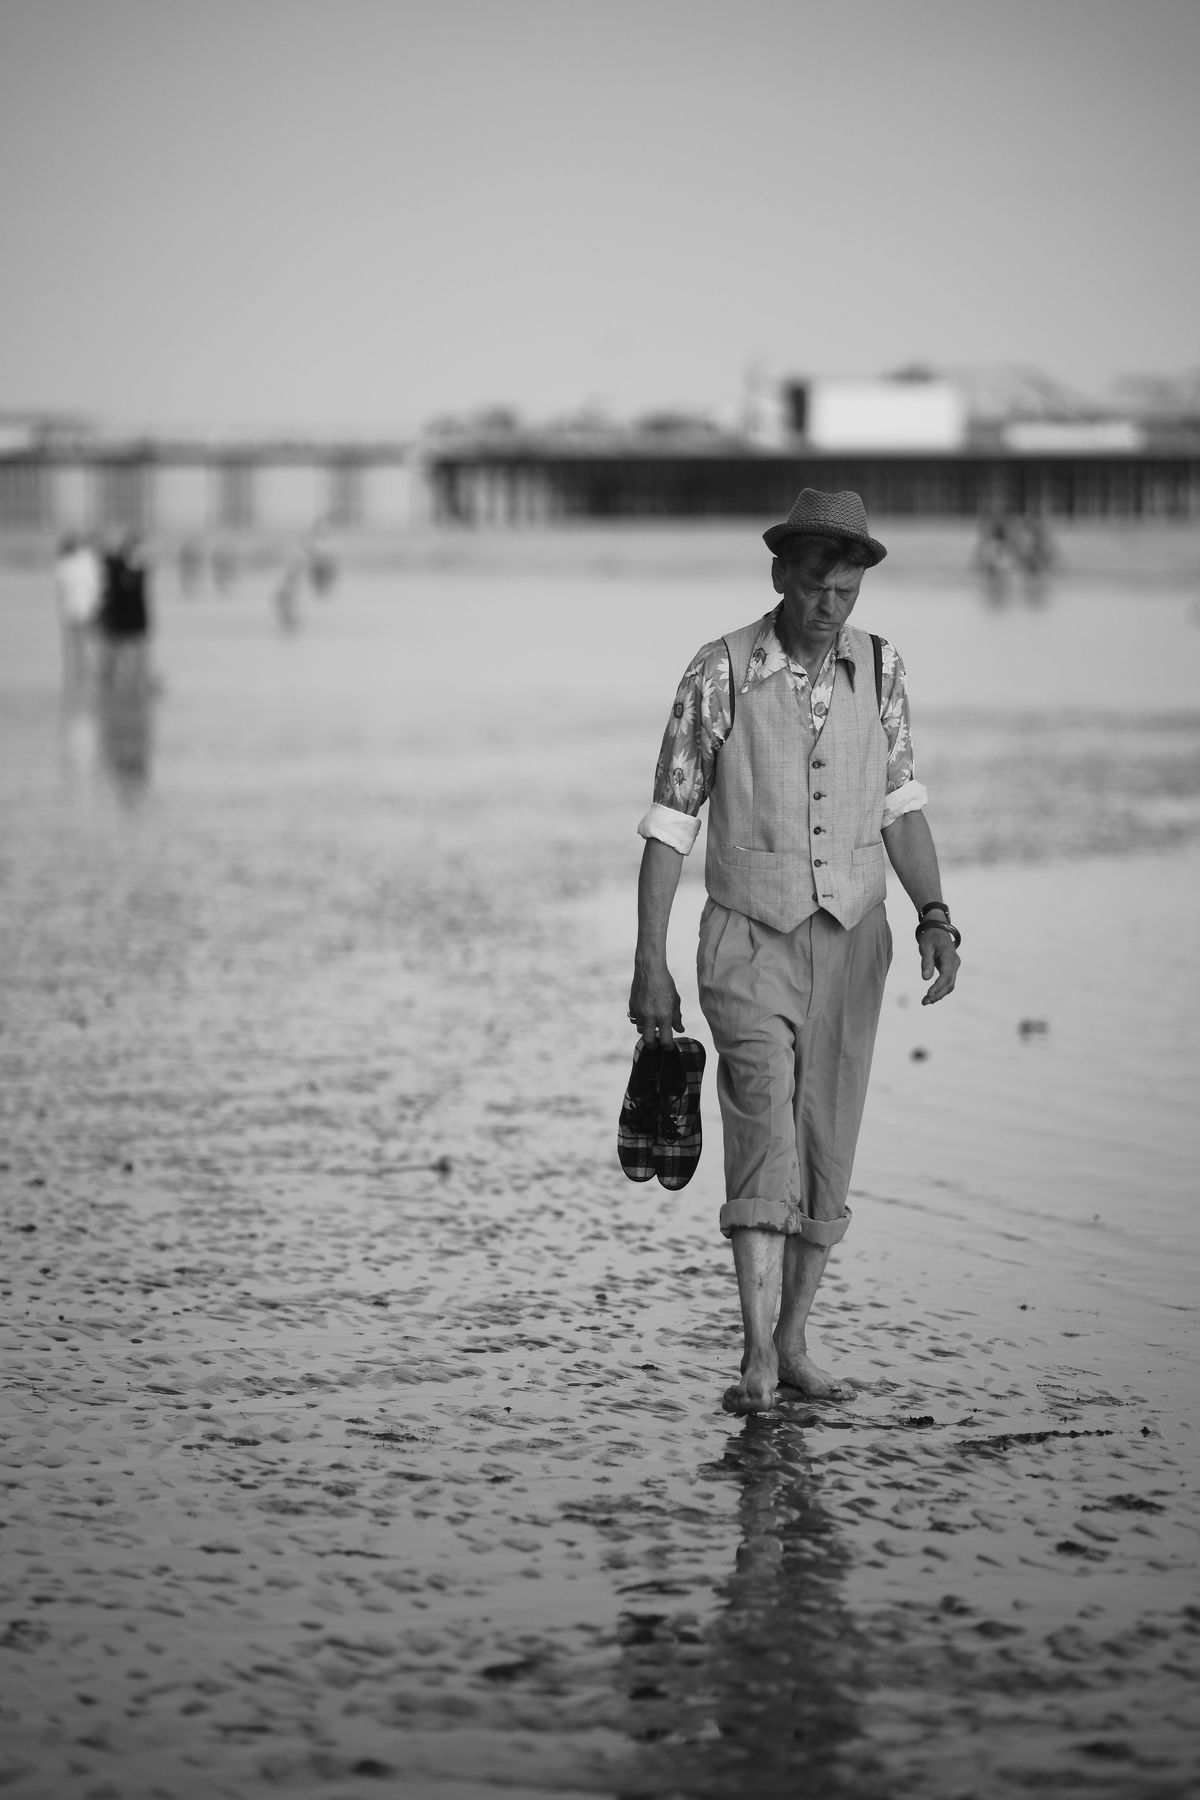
(361, 1425)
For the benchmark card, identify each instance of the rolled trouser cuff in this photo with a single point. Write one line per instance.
(757, 1215)
(826, 1232)
(777, 1215)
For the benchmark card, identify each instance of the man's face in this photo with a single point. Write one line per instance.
(818, 594)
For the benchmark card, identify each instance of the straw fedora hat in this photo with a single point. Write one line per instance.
(825, 515)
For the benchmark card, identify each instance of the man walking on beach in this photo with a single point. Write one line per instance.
(795, 729)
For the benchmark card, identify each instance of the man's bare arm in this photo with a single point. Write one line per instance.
(654, 998)
(909, 844)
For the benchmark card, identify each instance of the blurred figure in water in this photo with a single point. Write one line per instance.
(321, 561)
(1014, 546)
(1034, 551)
(313, 568)
(994, 556)
(125, 618)
(287, 596)
(191, 568)
(223, 564)
(1034, 548)
(78, 589)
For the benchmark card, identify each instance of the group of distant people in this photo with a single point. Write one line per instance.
(1013, 544)
(104, 605)
(104, 613)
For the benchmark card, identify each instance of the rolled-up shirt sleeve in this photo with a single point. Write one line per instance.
(696, 730)
(678, 829)
(909, 797)
(904, 793)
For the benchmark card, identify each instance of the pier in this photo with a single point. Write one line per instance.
(517, 481)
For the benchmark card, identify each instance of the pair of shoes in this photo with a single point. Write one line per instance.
(659, 1129)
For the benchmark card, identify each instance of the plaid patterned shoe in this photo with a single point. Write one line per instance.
(677, 1140)
(639, 1112)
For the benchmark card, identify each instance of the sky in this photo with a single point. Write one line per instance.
(355, 215)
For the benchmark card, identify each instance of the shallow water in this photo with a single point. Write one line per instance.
(330, 1468)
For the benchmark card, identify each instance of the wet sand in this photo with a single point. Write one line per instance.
(361, 1426)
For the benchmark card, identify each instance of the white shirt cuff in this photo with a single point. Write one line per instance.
(670, 827)
(910, 796)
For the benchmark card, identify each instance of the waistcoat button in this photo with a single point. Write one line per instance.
(817, 830)
(817, 863)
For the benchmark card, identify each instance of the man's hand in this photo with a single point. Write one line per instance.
(938, 952)
(654, 1003)
(909, 844)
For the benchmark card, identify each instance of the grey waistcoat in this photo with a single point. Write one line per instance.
(794, 822)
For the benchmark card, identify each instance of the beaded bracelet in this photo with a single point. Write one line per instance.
(934, 906)
(938, 925)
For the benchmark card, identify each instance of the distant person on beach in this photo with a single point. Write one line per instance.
(125, 617)
(1033, 547)
(312, 569)
(320, 560)
(795, 729)
(994, 548)
(191, 568)
(287, 596)
(223, 564)
(78, 589)
(1013, 544)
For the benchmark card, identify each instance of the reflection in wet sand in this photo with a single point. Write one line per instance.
(109, 732)
(126, 738)
(764, 1698)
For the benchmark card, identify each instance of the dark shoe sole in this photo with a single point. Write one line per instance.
(678, 1140)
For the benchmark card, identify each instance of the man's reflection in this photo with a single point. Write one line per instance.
(763, 1700)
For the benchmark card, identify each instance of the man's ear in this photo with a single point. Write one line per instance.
(777, 574)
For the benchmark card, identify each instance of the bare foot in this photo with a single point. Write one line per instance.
(756, 1390)
(798, 1370)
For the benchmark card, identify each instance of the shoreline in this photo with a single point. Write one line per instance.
(1151, 551)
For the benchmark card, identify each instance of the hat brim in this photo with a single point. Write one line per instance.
(780, 538)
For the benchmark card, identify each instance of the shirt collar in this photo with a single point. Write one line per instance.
(768, 657)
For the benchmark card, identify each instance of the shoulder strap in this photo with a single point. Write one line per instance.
(743, 642)
(877, 649)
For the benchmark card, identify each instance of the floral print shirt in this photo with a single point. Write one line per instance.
(701, 716)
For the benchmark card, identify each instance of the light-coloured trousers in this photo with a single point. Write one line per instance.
(793, 1015)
